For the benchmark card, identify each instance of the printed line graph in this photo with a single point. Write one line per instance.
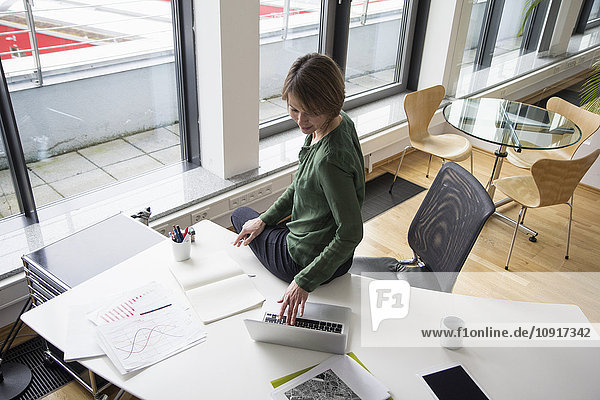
(144, 326)
(142, 339)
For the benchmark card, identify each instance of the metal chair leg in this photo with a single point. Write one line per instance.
(398, 168)
(428, 165)
(512, 243)
(410, 261)
(569, 228)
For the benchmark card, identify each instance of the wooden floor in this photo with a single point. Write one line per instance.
(538, 271)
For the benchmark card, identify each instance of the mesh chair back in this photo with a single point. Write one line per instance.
(447, 224)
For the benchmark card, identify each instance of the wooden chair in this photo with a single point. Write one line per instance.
(551, 182)
(587, 121)
(420, 107)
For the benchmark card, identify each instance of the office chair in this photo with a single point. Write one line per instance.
(441, 234)
(587, 121)
(420, 107)
(551, 182)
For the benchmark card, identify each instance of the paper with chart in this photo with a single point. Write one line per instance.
(130, 303)
(81, 331)
(146, 326)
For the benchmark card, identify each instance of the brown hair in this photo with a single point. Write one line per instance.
(317, 81)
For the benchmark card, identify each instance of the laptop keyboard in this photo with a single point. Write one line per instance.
(324, 326)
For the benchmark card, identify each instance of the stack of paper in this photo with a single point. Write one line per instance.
(339, 377)
(81, 335)
(145, 326)
(216, 286)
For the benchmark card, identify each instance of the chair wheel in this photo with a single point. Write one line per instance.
(506, 267)
(566, 257)
(532, 239)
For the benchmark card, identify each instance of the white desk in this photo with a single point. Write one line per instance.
(230, 365)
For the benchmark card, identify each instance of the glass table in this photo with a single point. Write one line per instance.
(511, 124)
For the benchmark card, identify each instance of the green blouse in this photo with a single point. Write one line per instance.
(324, 199)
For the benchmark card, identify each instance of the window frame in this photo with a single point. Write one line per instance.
(532, 32)
(187, 99)
(14, 154)
(333, 41)
(584, 15)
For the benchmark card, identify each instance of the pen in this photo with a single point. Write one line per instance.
(179, 233)
(178, 239)
(156, 309)
(185, 232)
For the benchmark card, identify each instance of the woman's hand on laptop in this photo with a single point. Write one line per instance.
(293, 299)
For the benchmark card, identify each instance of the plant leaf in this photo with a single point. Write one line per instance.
(590, 91)
(529, 6)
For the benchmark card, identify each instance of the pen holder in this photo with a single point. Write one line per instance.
(452, 324)
(181, 251)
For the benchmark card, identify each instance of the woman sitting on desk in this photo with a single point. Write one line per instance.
(325, 197)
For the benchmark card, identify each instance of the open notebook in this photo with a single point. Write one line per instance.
(216, 286)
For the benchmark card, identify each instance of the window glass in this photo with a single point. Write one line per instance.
(498, 56)
(508, 42)
(475, 25)
(93, 89)
(288, 30)
(373, 44)
(595, 12)
(15, 42)
(8, 199)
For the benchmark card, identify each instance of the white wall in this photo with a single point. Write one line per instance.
(440, 42)
(227, 60)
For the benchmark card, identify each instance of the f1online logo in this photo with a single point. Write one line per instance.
(388, 299)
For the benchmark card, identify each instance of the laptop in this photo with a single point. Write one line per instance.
(323, 327)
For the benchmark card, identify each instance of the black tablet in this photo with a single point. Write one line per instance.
(453, 383)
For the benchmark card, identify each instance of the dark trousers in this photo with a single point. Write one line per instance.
(270, 247)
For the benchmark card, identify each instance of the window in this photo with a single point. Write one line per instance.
(288, 29)
(97, 92)
(496, 34)
(589, 17)
(374, 45)
(367, 38)
(594, 13)
(509, 40)
(501, 41)
(8, 197)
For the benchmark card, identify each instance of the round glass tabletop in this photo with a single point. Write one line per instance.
(510, 123)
